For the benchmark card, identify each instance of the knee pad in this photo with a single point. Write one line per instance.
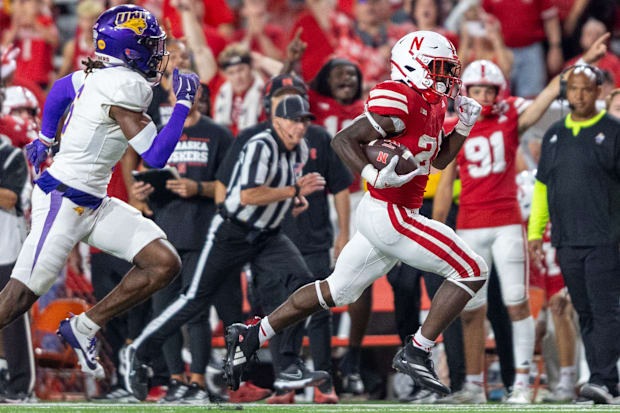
(514, 295)
(343, 289)
(478, 300)
(464, 282)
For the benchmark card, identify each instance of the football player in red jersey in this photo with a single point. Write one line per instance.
(489, 219)
(410, 108)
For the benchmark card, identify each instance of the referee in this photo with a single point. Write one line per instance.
(265, 183)
(578, 187)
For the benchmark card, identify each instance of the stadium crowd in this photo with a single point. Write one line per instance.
(253, 58)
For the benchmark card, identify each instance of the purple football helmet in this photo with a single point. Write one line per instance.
(130, 35)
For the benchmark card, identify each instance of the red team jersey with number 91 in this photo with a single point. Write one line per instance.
(422, 135)
(486, 165)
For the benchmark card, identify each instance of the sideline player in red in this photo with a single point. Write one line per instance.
(489, 218)
(411, 109)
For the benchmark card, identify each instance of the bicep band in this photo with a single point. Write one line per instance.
(374, 123)
(162, 145)
(144, 139)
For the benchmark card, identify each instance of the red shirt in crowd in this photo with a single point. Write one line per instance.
(273, 32)
(320, 45)
(522, 20)
(82, 51)
(174, 26)
(333, 116)
(609, 62)
(35, 58)
(374, 62)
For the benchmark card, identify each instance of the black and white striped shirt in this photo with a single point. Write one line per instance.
(264, 160)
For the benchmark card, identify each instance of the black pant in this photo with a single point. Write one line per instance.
(199, 329)
(228, 247)
(17, 347)
(498, 316)
(285, 346)
(592, 275)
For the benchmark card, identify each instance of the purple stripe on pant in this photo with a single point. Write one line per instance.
(56, 200)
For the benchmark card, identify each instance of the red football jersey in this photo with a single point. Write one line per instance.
(17, 130)
(333, 116)
(422, 135)
(487, 169)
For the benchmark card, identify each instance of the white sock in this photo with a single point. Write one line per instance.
(86, 326)
(523, 337)
(567, 377)
(522, 380)
(475, 379)
(265, 331)
(422, 342)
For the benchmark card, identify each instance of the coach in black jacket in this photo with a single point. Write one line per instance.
(578, 187)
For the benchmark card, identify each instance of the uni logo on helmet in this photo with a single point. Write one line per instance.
(132, 20)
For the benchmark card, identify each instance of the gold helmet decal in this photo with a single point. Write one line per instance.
(132, 20)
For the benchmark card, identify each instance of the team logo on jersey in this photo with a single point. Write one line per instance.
(599, 138)
(423, 111)
(79, 210)
(553, 139)
(132, 20)
(101, 44)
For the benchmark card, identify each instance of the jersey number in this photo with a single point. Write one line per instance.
(486, 156)
(423, 158)
(64, 127)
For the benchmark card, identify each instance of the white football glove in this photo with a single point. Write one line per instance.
(387, 177)
(468, 110)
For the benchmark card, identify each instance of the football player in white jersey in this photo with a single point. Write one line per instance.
(69, 203)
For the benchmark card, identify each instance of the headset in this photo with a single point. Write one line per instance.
(564, 77)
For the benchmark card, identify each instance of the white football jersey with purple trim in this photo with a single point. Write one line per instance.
(91, 142)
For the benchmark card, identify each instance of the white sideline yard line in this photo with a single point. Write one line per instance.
(556, 408)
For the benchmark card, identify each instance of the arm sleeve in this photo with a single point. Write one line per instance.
(540, 212)
(60, 97)
(255, 168)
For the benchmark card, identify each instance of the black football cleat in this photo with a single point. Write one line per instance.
(418, 365)
(241, 346)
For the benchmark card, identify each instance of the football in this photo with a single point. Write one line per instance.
(381, 151)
